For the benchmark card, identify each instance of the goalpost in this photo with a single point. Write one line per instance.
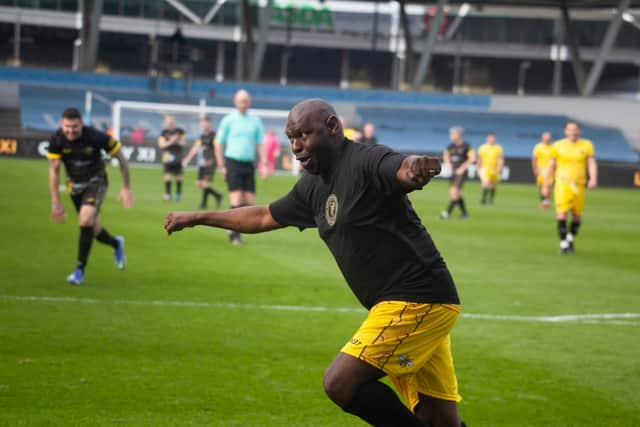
(134, 113)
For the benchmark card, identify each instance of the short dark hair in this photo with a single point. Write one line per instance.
(71, 113)
(571, 121)
(205, 118)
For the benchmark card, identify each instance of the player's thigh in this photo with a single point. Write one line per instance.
(563, 197)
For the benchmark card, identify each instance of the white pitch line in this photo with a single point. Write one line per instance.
(590, 318)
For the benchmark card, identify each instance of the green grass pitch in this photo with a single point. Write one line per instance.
(191, 334)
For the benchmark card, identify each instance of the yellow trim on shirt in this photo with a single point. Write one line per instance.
(53, 156)
(115, 149)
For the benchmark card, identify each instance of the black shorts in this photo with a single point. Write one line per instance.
(174, 168)
(88, 193)
(457, 180)
(205, 173)
(241, 176)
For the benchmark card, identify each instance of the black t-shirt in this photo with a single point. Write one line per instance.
(82, 158)
(365, 218)
(206, 145)
(172, 153)
(458, 154)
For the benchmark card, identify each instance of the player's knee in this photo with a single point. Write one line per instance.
(336, 388)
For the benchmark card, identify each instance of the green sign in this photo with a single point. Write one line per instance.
(305, 15)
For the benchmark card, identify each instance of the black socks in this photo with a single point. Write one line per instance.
(167, 187)
(106, 238)
(562, 229)
(380, 406)
(575, 226)
(84, 246)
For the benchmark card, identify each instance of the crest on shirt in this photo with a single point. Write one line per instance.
(331, 210)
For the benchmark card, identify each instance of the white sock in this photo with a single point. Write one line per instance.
(564, 244)
(569, 237)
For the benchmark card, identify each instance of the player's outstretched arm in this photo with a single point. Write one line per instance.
(249, 219)
(416, 171)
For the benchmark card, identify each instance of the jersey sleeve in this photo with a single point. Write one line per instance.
(381, 166)
(590, 151)
(534, 153)
(104, 141)
(55, 148)
(295, 209)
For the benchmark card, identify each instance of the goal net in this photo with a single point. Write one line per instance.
(139, 123)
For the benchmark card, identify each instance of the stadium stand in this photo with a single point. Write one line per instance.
(413, 122)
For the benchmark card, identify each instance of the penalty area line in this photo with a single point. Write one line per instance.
(628, 319)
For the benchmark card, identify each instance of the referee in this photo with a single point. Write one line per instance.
(355, 195)
(238, 143)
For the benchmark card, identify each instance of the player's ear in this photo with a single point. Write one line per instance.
(333, 125)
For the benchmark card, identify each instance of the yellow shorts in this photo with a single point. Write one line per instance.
(569, 197)
(410, 342)
(540, 180)
(489, 176)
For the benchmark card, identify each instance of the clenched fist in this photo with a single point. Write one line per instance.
(420, 169)
(177, 221)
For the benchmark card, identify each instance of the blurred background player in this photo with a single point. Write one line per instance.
(349, 132)
(369, 134)
(490, 163)
(238, 143)
(206, 162)
(271, 147)
(571, 157)
(540, 159)
(80, 148)
(172, 141)
(458, 156)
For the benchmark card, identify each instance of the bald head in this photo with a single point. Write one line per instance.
(314, 108)
(314, 131)
(242, 100)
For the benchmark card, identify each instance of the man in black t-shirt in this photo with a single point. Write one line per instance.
(458, 156)
(355, 194)
(172, 141)
(80, 148)
(206, 162)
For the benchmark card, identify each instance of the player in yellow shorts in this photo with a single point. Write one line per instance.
(540, 159)
(490, 163)
(571, 158)
(356, 196)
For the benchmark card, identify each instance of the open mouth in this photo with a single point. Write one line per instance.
(304, 160)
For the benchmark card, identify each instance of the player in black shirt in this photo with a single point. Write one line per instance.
(458, 156)
(172, 141)
(355, 194)
(206, 163)
(80, 148)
